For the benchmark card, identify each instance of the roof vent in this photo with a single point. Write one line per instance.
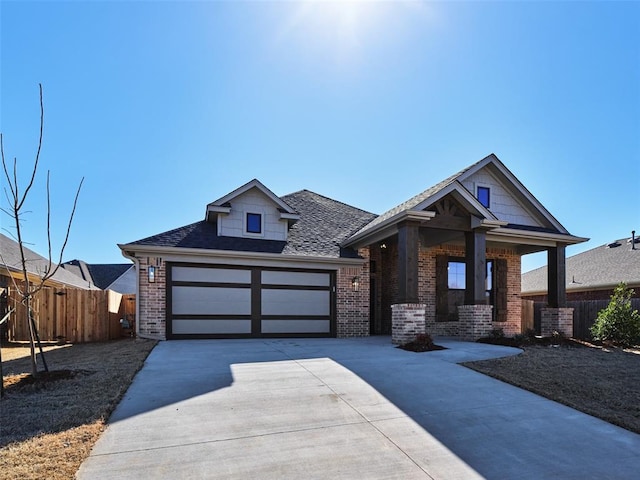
(633, 240)
(613, 244)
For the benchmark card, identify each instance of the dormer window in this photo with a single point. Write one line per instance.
(484, 196)
(254, 223)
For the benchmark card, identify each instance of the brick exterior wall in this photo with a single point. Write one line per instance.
(352, 308)
(427, 289)
(475, 321)
(152, 299)
(556, 320)
(386, 280)
(407, 322)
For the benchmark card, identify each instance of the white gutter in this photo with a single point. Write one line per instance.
(512, 235)
(235, 256)
(416, 215)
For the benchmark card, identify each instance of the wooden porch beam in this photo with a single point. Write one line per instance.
(476, 267)
(408, 262)
(556, 278)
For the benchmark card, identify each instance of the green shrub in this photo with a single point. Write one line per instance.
(618, 323)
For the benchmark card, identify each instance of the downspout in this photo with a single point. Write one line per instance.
(136, 263)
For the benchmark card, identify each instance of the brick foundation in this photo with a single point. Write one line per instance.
(474, 321)
(407, 321)
(556, 320)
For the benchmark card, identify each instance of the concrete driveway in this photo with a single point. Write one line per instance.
(345, 408)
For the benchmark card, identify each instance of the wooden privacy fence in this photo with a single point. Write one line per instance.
(585, 313)
(527, 316)
(73, 315)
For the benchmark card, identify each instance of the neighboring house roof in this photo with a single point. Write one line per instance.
(601, 268)
(37, 265)
(101, 275)
(415, 207)
(322, 226)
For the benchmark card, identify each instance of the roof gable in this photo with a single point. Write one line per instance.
(222, 205)
(461, 185)
(516, 202)
(324, 224)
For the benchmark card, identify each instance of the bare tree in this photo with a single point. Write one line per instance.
(16, 198)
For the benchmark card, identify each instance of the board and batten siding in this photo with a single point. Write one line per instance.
(502, 203)
(253, 201)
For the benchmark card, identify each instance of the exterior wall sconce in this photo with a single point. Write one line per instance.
(152, 274)
(355, 283)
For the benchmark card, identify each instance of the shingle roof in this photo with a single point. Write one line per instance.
(324, 223)
(599, 268)
(104, 274)
(414, 201)
(37, 265)
(100, 275)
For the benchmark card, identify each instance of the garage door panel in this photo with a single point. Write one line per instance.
(219, 301)
(296, 326)
(208, 300)
(295, 302)
(296, 278)
(213, 327)
(211, 275)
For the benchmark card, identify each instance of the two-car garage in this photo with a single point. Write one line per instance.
(217, 301)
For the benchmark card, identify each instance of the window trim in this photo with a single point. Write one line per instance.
(261, 223)
(488, 190)
(442, 304)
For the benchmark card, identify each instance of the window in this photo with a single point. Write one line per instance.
(456, 274)
(484, 196)
(451, 285)
(254, 223)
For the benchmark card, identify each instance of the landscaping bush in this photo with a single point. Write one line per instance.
(422, 343)
(618, 323)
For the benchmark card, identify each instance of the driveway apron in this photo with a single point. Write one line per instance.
(345, 409)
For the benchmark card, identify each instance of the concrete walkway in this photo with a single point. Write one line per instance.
(345, 409)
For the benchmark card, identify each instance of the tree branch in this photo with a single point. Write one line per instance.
(35, 165)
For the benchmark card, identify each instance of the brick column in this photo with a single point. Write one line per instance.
(152, 299)
(474, 321)
(407, 321)
(556, 320)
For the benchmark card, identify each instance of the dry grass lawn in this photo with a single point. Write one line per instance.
(602, 382)
(49, 426)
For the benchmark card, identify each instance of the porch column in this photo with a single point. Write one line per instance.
(557, 317)
(476, 267)
(556, 280)
(408, 262)
(407, 319)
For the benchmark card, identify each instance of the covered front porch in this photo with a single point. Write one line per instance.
(448, 260)
(454, 283)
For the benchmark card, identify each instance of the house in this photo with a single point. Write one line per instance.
(36, 265)
(119, 277)
(446, 262)
(593, 274)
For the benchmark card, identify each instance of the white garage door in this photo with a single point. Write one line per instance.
(223, 301)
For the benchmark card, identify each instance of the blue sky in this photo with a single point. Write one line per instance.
(164, 107)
